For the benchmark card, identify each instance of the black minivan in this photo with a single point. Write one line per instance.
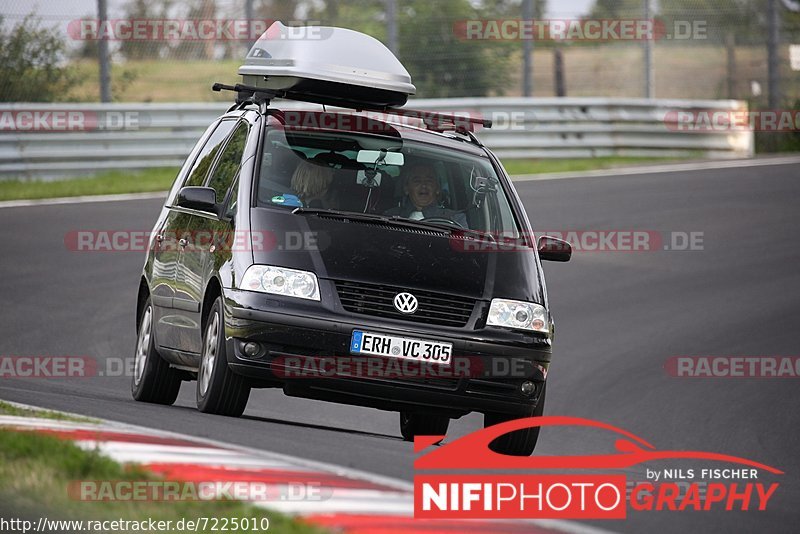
(351, 259)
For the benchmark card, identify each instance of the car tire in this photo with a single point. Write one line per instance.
(520, 442)
(422, 424)
(153, 379)
(219, 390)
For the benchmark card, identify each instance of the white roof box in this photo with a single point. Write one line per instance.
(328, 65)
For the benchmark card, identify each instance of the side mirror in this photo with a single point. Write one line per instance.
(197, 198)
(553, 249)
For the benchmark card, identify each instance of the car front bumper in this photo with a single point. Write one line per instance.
(489, 365)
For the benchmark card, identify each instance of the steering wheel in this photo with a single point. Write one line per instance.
(443, 220)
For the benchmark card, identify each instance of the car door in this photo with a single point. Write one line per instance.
(204, 230)
(163, 256)
(171, 324)
(164, 268)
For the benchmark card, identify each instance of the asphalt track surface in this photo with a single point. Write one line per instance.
(619, 315)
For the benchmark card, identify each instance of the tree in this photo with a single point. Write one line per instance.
(367, 16)
(283, 10)
(144, 10)
(510, 8)
(198, 10)
(88, 49)
(31, 68)
(441, 64)
(744, 19)
(618, 9)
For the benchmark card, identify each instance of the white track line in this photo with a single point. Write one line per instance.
(667, 167)
(81, 200)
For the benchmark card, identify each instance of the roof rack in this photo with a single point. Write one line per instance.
(437, 122)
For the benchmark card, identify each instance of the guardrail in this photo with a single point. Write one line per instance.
(50, 141)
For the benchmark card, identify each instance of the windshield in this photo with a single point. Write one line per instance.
(385, 176)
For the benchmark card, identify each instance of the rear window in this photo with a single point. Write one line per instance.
(340, 171)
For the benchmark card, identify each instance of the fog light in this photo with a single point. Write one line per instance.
(527, 388)
(251, 349)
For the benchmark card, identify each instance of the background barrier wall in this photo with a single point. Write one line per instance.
(136, 136)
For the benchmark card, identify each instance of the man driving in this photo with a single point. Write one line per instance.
(422, 196)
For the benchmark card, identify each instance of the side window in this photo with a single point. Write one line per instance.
(206, 156)
(229, 161)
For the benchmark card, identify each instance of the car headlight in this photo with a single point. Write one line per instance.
(517, 314)
(281, 281)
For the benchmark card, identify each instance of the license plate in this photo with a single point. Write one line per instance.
(400, 347)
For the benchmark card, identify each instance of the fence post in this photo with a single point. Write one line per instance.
(558, 74)
(527, 52)
(730, 48)
(649, 69)
(102, 54)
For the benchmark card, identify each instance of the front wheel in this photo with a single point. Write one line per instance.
(153, 379)
(520, 442)
(422, 424)
(219, 390)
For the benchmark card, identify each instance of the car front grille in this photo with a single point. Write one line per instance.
(378, 300)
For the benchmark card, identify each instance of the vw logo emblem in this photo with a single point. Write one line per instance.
(406, 303)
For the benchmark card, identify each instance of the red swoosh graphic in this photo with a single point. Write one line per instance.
(472, 449)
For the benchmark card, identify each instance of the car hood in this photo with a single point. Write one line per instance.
(376, 253)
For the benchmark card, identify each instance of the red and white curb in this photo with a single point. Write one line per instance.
(352, 501)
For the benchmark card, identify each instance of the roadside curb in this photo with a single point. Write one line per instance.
(356, 501)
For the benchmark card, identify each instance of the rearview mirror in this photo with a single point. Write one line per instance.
(197, 198)
(380, 157)
(553, 249)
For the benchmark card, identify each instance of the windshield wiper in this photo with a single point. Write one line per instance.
(396, 220)
(372, 217)
(454, 228)
(344, 214)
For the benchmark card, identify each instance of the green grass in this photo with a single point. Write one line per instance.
(161, 179)
(36, 470)
(10, 409)
(107, 183)
(157, 80)
(538, 166)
